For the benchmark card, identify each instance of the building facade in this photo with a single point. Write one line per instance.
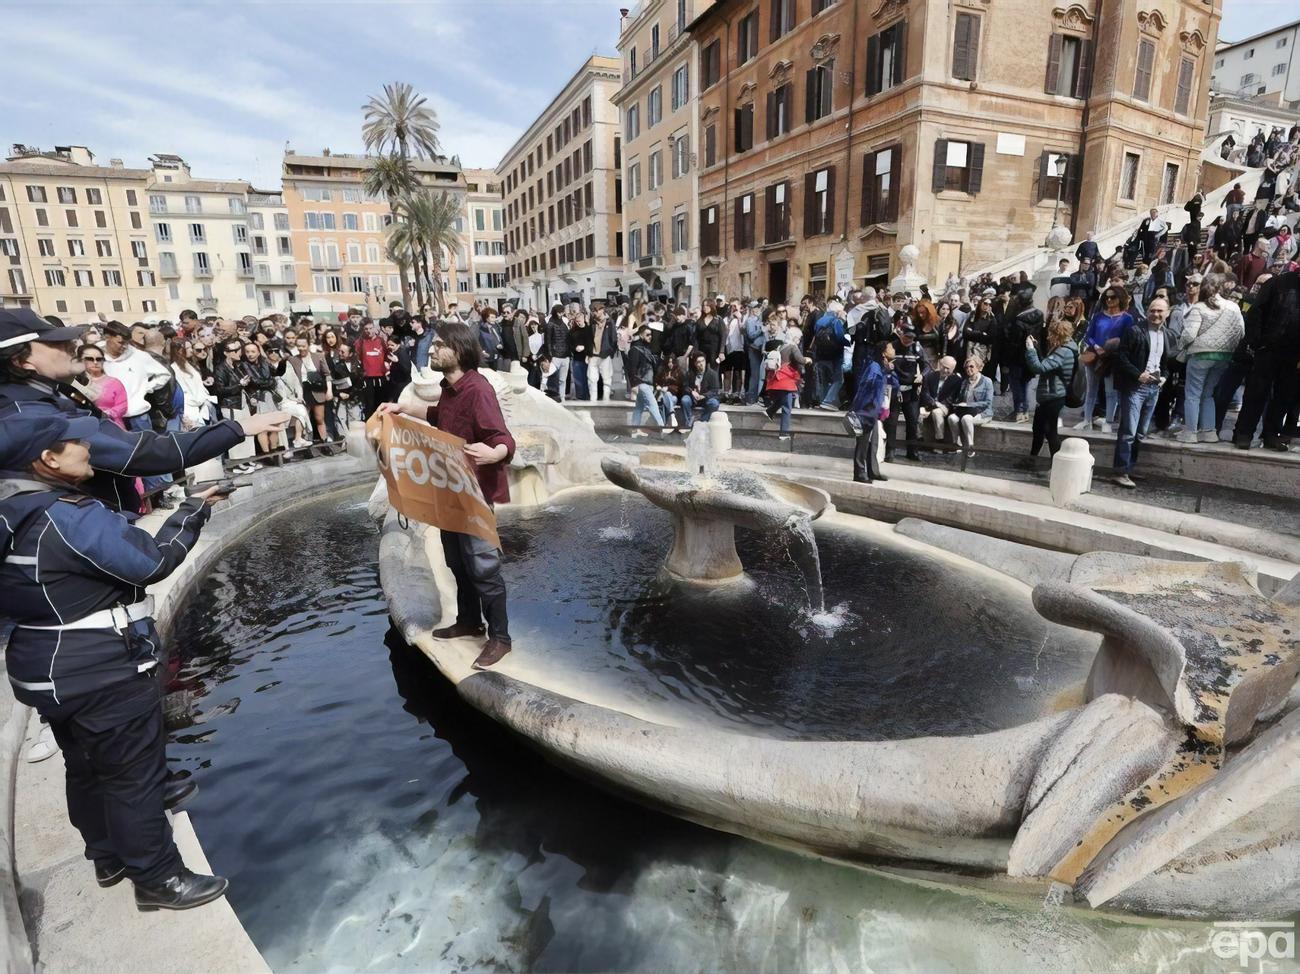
(833, 132)
(339, 233)
(563, 195)
(75, 239)
(660, 141)
(274, 274)
(482, 273)
(1264, 67)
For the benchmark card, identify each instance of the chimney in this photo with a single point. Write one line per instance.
(117, 163)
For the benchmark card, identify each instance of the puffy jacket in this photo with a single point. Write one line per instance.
(557, 338)
(67, 556)
(1055, 370)
(1212, 330)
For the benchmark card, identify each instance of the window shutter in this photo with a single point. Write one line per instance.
(783, 225)
(810, 96)
(1053, 64)
(787, 94)
(1083, 76)
(895, 184)
(940, 166)
(737, 225)
(809, 204)
(961, 47)
(900, 48)
(1184, 97)
(873, 65)
(868, 189)
(771, 114)
(1040, 192)
(1070, 193)
(976, 163)
(769, 211)
(774, 28)
(1142, 79)
(830, 201)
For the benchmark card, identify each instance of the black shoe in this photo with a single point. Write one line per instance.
(914, 457)
(879, 478)
(889, 458)
(861, 480)
(110, 872)
(184, 891)
(1277, 444)
(1241, 444)
(177, 791)
(458, 630)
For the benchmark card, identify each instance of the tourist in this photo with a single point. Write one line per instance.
(292, 399)
(1152, 233)
(197, 408)
(910, 364)
(975, 406)
(864, 414)
(1211, 330)
(345, 373)
(314, 374)
(701, 388)
(106, 393)
(558, 346)
(1099, 344)
(372, 353)
(1272, 333)
(670, 381)
(468, 408)
(92, 674)
(1137, 380)
(259, 393)
(1251, 265)
(1055, 371)
(735, 363)
(643, 366)
(228, 384)
(755, 339)
(830, 339)
(940, 388)
(784, 364)
(604, 349)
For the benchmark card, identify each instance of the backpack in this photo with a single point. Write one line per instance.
(1076, 389)
(882, 326)
(825, 344)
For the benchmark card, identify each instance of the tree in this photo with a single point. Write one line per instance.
(391, 176)
(429, 228)
(398, 123)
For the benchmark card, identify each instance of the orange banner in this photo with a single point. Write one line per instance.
(429, 477)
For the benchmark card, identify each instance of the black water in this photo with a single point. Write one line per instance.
(369, 820)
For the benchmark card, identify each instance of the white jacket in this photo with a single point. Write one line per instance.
(140, 373)
(1208, 329)
(197, 397)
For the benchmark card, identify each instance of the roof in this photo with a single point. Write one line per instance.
(33, 168)
(352, 161)
(201, 186)
(1282, 28)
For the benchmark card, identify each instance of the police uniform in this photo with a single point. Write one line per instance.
(117, 455)
(84, 651)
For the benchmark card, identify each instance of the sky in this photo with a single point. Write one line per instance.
(228, 84)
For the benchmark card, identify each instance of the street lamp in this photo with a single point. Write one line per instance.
(1059, 165)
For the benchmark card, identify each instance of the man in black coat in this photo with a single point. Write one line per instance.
(1273, 335)
(1137, 382)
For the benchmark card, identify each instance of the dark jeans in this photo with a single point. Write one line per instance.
(864, 451)
(1229, 382)
(755, 358)
(911, 410)
(580, 388)
(115, 761)
(480, 588)
(1271, 387)
(1018, 375)
(1169, 406)
(1045, 417)
(372, 391)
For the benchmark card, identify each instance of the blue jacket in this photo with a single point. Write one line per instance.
(65, 556)
(118, 455)
(836, 324)
(982, 396)
(869, 397)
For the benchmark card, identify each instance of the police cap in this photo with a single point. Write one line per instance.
(19, 325)
(22, 441)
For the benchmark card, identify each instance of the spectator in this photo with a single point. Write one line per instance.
(940, 388)
(372, 352)
(581, 338)
(1212, 329)
(106, 393)
(830, 338)
(604, 349)
(558, 346)
(1055, 371)
(975, 407)
(866, 410)
(669, 383)
(1099, 345)
(910, 364)
(701, 388)
(1137, 380)
(1272, 334)
(643, 365)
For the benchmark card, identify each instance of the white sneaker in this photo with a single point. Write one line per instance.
(1083, 424)
(1125, 481)
(1187, 436)
(1208, 436)
(1105, 426)
(43, 747)
(639, 434)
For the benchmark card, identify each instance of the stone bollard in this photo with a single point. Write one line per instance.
(1071, 471)
(355, 442)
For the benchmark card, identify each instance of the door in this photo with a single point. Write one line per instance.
(947, 261)
(778, 281)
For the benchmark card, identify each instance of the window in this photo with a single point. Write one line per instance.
(83, 278)
(1249, 79)
(886, 58)
(654, 107)
(236, 205)
(958, 167)
(54, 278)
(351, 221)
(202, 266)
(634, 244)
(67, 194)
(880, 171)
(36, 194)
(1279, 69)
(241, 232)
(315, 194)
(633, 180)
(372, 253)
(1069, 66)
(632, 122)
(136, 223)
(112, 278)
(157, 204)
(162, 232)
(744, 128)
(654, 43)
(100, 220)
(167, 265)
(782, 19)
(681, 150)
(480, 219)
(256, 221)
(1128, 176)
(284, 246)
(966, 47)
(818, 94)
(780, 107)
(743, 222)
(631, 63)
(71, 216)
(1281, 42)
(104, 248)
(1250, 53)
(354, 253)
(358, 284)
(496, 219)
(747, 37)
(1169, 183)
(654, 240)
(336, 284)
(681, 86)
(681, 233)
(259, 245)
(282, 221)
(76, 248)
(1146, 60)
(656, 169)
(1050, 184)
(1183, 99)
(42, 219)
(710, 65)
(193, 204)
(197, 233)
(130, 198)
(710, 145)
(17, 282)
(709, 231)
(94, 197)
(819, 202)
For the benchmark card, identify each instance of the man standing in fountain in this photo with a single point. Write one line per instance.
(469, 409)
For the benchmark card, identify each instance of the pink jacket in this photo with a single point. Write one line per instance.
(112, 399)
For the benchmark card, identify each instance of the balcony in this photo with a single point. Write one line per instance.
(650, 262)
(203, 273)
(326, 264)
(169, 272)
(244, 273)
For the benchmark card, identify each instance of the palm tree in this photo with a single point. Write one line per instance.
(391, 176)
(397, 123)
(430, 227)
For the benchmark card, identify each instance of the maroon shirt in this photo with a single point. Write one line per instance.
(469, 409)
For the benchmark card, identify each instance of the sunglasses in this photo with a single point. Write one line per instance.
(92, 358)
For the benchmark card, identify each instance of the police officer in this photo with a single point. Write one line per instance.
(84, 648)
(38, 360)
(910, 365)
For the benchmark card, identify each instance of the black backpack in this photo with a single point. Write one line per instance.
(1076, 389)
(825, 344)
(882, 326)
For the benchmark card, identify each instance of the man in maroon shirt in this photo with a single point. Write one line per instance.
(372, 354)
(468, 408)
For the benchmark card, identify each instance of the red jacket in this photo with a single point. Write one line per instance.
(372, 353)
(469, 409)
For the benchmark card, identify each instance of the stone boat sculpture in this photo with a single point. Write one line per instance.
(1173, 789)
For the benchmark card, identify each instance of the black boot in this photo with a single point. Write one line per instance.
(183, 891)
(109, 872)
(177, 791)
